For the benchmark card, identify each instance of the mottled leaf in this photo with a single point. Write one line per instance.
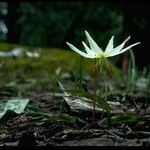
(121, 118)
(102, 103)
(35, 111)
(15, 105)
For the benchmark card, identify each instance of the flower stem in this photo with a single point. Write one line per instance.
(106, 89)
(106, 92)
(95, 88)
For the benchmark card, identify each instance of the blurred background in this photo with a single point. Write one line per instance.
(51, 24)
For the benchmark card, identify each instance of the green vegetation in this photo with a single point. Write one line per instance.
(43, 67)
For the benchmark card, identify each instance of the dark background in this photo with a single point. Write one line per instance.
(51, 24)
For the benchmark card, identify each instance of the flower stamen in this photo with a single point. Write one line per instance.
(101, 55)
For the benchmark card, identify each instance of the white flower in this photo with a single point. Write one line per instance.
(96, 52)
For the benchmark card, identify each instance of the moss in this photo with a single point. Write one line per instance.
(42, 67)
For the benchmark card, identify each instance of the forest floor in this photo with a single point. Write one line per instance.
(51, 118)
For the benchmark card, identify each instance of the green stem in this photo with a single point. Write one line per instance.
(106, 90)
(80, 74)
(93, 114)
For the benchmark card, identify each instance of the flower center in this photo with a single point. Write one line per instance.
(102, 55)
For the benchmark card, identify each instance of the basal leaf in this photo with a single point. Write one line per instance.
(35, 111)
(121, 118)
(63, 118)
(14, 105)
(100, 101)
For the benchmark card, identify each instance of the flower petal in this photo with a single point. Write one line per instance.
(110, 45)
(125, 49)
(88, 50)
(78, 51)
(118, 48)
(92, 43)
